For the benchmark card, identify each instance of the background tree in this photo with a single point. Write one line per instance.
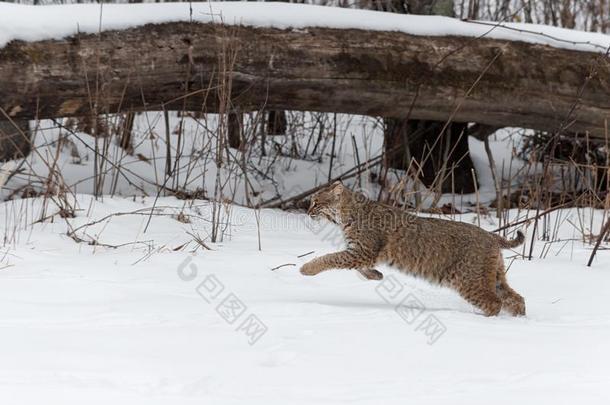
(436, 151)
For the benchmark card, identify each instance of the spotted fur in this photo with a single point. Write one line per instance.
(454, 254)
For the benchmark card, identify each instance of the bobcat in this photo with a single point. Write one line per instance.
(454, 254)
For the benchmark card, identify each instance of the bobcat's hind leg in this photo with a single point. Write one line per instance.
(484, 299)
(480, 291)
(512, 302)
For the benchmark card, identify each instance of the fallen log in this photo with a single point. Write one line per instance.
(193, 65)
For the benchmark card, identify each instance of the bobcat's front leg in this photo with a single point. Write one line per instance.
(339, 260)
(371, 274)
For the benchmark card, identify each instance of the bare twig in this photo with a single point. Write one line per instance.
(283, 265)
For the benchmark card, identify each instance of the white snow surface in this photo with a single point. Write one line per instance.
(97, 325)
(31, 23)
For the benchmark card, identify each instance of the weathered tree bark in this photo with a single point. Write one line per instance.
(235, 124)
(127, 132)
(318, 69)
(277, 122)
(438, 148)
(442, 157)
(276, 119)
(15, 139)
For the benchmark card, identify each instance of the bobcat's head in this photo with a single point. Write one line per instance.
(326, 203)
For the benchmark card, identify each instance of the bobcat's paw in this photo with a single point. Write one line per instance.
(372, 274)
(309, 270)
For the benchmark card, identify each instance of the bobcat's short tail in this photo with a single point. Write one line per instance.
(510, 243)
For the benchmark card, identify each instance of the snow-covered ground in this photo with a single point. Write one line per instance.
(32, 23)
(120, 306)
(147, 316)
(153, 323)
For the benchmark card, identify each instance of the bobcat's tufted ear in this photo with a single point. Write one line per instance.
(337, 188)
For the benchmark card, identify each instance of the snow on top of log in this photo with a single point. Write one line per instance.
(32, 23)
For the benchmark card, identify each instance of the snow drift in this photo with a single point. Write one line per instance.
(32, 23)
